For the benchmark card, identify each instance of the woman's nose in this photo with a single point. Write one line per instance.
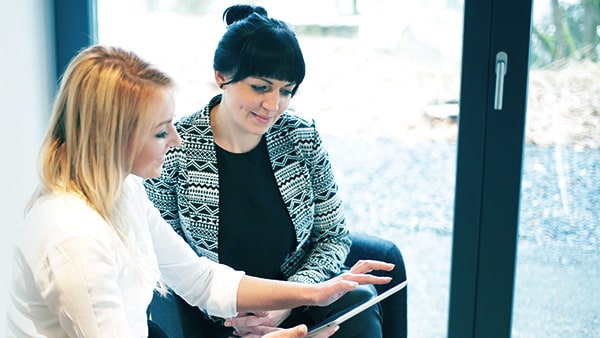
(271, 102)
(175, 138)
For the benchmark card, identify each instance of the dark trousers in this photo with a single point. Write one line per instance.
(366, 324)
(168, 312)
(154, 331)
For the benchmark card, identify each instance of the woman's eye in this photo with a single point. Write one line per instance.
(286, 92)
(260, 89)
(162, 134)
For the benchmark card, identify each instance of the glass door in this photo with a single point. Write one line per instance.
(382, 84)
(557, 290)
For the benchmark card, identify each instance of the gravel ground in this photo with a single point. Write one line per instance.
(405, 193)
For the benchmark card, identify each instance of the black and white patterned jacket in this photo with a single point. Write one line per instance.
(187, 193)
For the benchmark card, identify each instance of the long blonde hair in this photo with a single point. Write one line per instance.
(98, 120)
(100, 109)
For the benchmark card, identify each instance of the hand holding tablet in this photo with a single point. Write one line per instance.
(343, 316)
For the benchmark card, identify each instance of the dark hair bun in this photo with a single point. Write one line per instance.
(240, 12)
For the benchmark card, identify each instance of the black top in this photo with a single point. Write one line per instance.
(255, 229)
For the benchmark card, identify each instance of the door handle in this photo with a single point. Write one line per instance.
(501, 67)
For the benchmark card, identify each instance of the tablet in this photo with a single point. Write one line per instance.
(343, 316)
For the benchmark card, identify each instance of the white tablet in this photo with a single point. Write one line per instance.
(344, 316)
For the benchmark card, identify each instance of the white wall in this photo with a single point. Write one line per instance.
(26, 90)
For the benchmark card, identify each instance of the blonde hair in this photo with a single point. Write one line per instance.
(98, 118)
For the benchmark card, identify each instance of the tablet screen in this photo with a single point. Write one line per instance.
(345, 315)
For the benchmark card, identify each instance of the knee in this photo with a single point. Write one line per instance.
(369, 322)
(361, 294)
(366, 246)
(353, 298)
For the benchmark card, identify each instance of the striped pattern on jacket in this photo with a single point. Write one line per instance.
(187, 193)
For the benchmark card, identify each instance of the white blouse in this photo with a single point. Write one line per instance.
(72, 276)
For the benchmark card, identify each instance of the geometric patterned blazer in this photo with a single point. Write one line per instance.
(187, 193)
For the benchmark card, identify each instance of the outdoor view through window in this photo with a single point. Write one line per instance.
(557, 292)
(382, 84)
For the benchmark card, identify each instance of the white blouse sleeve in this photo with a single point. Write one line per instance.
(67, 272)
(77, 290)
(198, 280)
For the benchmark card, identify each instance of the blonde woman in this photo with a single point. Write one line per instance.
(92, 248)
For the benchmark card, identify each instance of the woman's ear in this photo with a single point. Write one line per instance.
(220, 79)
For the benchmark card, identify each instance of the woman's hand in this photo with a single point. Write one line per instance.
(258, 323)
(258, 294)
(331, 290)
(296, 332)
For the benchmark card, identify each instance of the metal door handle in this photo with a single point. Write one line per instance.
(501, 66)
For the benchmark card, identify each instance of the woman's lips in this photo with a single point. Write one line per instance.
(262, 119)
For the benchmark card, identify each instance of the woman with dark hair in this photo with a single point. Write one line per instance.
(251, 184)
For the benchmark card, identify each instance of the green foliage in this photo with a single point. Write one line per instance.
(570, 32)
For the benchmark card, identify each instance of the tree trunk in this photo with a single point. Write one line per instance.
(559, 36)
(591, 22)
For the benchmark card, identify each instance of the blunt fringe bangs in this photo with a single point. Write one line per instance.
(262, 47)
